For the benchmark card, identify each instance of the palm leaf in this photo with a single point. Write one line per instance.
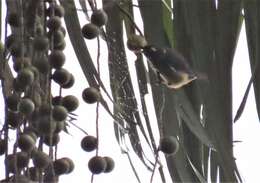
(251, 10)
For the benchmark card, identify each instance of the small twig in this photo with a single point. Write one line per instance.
(133, 167)
(97, 125)
(78, 127)
(60, 91)
(98, 56)
(92, 178)
(91, 4)
(97, 136)
(130, 18)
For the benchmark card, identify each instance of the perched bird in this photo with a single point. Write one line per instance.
(171, 67)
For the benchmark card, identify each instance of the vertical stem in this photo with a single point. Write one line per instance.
(156, 162)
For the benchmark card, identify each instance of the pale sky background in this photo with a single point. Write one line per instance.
(246, 129)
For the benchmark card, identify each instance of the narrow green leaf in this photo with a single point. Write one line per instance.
(163, 98)
(189, 116)
(252, 15)
(167, 21)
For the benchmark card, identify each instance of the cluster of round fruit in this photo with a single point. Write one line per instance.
(41, 161)
(38, 59)
(98, 19)
(96, 164)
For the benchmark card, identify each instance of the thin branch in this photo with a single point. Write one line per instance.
(133, 167)
(78, 127)
(97, 127)
(130, 18)
(156, 162)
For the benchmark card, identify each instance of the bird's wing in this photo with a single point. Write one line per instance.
(176, 61)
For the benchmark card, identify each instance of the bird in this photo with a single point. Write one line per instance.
(171, 67)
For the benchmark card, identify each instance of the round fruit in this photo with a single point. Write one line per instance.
(18, 87)
(70, 83)
(99, 17)
(71, 164)
(21, 62)
(26, 142)
(59, 113)
(56, 100)
(70, 102)
(63, 30)
(22, 159)
(25, 77)
(59, 127)
(97, 164)
(34, 71)
(54, 23)
(42, 65)
(58, 11)
(91, 95)
(136, 42)
(31, 132)
(26, 106)
(56, 59)
(45, 126)
(14, 19)
(169, 145)
(61, 166)
(89, 143)
(19, 160)
(13, 119)
(57, 37)
(60, 46)
(40, 159)
(90, 31)
(41, 43)
(52, 140)
(16, 49)
(12, 102)
(33, 174)
(2, 146)
(39, 30)
(61, 76)
(110, 164)
(44, 110)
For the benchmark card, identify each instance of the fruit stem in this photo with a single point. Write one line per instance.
(97, 130)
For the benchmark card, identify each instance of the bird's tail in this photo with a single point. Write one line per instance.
(201, 76)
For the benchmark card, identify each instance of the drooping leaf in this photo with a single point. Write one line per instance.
(252, 15)
(167, 21)
(164, 102)
(81, 50)
(120, 81)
